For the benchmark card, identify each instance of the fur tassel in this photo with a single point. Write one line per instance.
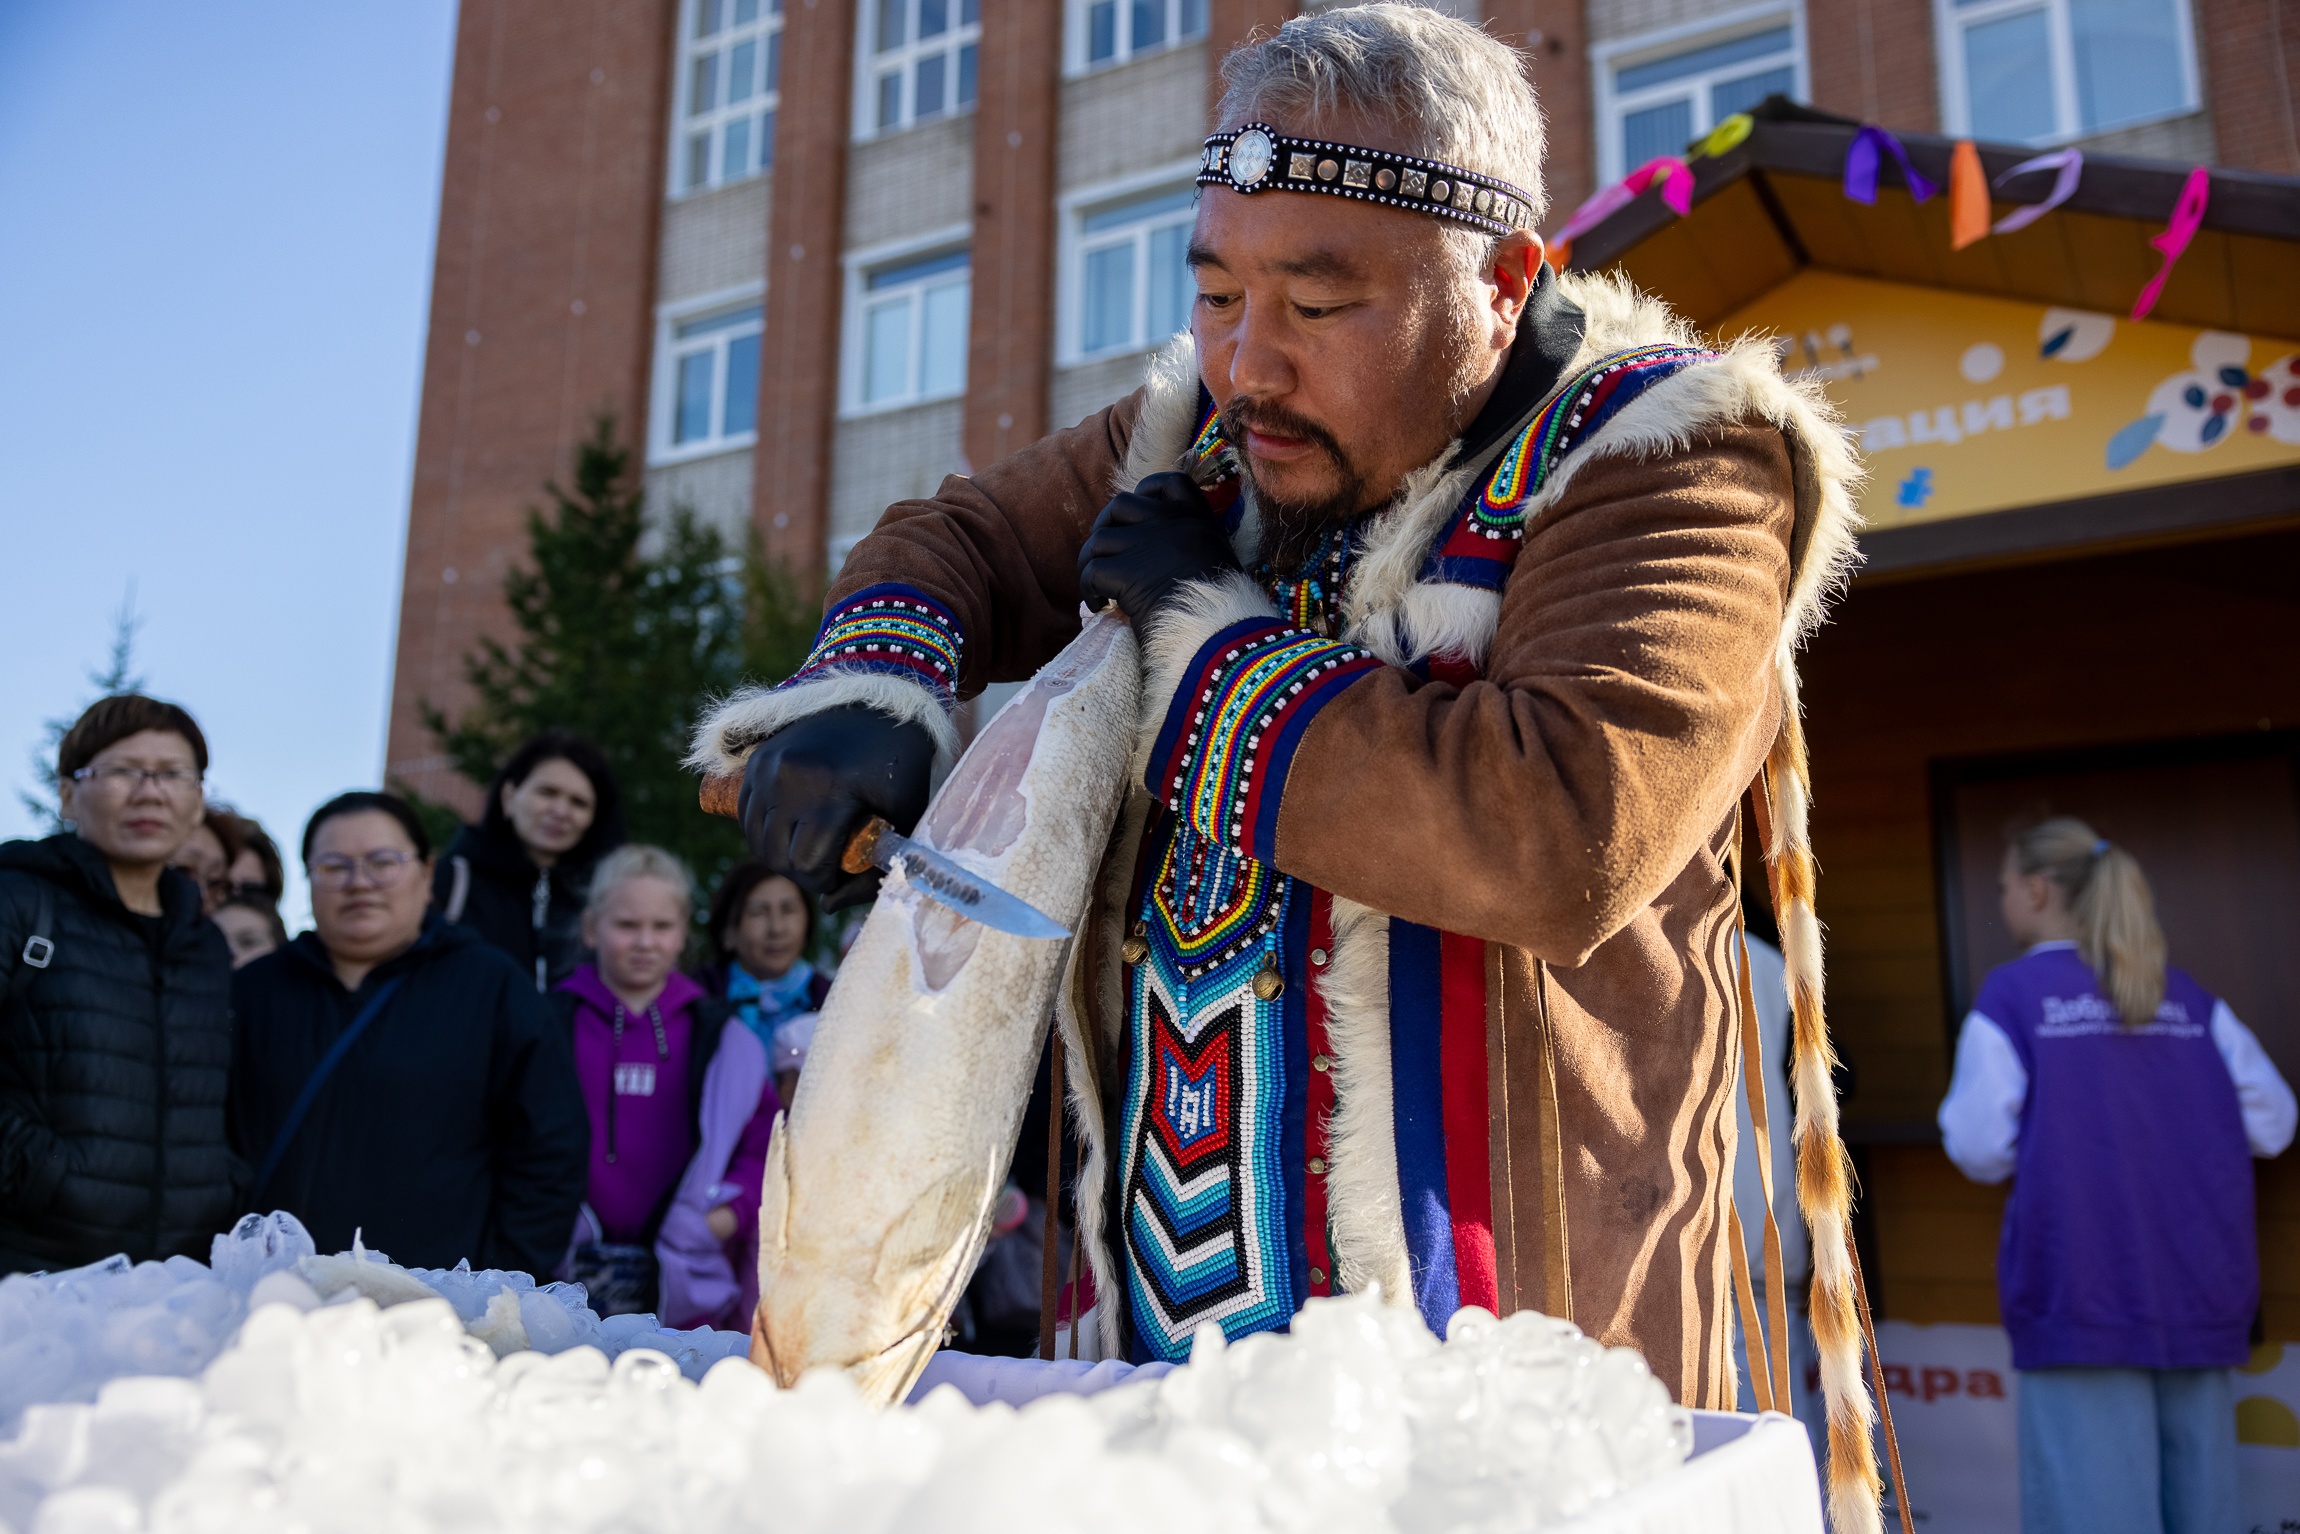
(1824, 1170)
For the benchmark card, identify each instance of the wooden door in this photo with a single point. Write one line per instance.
(2216, 826)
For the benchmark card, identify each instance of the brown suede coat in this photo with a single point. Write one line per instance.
(1574, 807)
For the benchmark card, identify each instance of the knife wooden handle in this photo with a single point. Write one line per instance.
(861, 854)
(722, 794)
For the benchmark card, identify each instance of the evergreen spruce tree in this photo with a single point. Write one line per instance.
(626, 644)
(119, 675)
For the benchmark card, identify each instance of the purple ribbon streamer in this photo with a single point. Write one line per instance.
(1861, 166)
(2070, 164)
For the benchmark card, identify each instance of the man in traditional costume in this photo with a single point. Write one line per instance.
(1469, 593)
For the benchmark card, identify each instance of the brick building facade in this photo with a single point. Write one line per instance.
(929, 230)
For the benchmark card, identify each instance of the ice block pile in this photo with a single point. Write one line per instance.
(359, 1403)
(63, 1335)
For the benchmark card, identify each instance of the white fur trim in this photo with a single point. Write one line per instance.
(1433, 619)
(1744, 382)
(1079, 1060)
(1195, 613)
(1168, 419)
(736, 724)
(1397, 543)
(1365, 1213)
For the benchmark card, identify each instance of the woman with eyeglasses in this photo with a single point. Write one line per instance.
(399, 1076)
(115, 1009)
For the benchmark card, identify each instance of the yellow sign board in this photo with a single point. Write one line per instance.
(1969, 404)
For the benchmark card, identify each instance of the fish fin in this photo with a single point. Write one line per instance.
(775, 1193)
(924, 1263)
(944, 1217)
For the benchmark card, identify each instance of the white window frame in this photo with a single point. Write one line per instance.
(859, 265)
(869, 65)
(1075, 39)
(661, 449)
(1950, 21)
(762, 107)
(1648, 47)
(1070, 243)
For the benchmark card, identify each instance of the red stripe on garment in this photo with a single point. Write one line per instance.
(1317, 1122)
(1462, 1069)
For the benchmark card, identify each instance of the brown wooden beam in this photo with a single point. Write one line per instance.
(1231, 22)
(799, 353)
(1010, 336)
(542, 316)
(1555, 37)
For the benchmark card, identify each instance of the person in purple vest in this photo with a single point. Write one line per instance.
(681, 1108)
(2125, 1102)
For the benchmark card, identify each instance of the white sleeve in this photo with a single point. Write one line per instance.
(1980, 1118)
(2269, 1111)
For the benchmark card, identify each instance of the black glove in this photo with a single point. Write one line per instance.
(810, 786)
(1149, 541)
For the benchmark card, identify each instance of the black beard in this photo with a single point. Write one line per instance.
(1293, 530)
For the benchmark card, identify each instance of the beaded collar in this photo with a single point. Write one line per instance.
(1258, 158)
(1311, 595)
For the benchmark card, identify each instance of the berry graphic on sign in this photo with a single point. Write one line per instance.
(2213, 401)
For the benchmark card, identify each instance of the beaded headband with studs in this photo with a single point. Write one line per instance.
(1258, 158)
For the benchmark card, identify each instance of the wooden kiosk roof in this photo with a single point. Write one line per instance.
(1774, 206)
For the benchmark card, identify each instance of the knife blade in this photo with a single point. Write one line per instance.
(880, 845)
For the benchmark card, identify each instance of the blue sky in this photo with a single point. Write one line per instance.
(216, 227)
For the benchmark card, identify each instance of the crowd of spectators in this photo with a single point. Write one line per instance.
(491, 1054)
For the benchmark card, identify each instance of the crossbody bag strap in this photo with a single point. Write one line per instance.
(317, 1079)
(458, 887)
(39, 946)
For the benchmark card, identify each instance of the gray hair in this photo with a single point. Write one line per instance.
(636, 860)
(1457, 94)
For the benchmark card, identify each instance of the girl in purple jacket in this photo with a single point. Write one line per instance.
(681, 1107)
(2125, 1102)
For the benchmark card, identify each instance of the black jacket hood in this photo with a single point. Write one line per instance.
(71, 861)
(438, 939)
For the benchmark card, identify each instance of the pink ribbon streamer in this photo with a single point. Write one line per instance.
(1861, 166)
(2187, 218)
(2070, 163)
(1676, 179)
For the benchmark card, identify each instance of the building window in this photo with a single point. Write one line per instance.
(1128, 271)
(708, 380)
(730, 77)
(918, 59)
(909, 336)
(2039, 71)
(1106, 32)
(1661, 94)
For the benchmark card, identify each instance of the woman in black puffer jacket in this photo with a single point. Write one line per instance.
(519, 877)
(115, 1033)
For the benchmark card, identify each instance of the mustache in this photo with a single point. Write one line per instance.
(1245, 414)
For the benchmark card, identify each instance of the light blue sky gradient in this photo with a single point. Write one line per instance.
(216, 230)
